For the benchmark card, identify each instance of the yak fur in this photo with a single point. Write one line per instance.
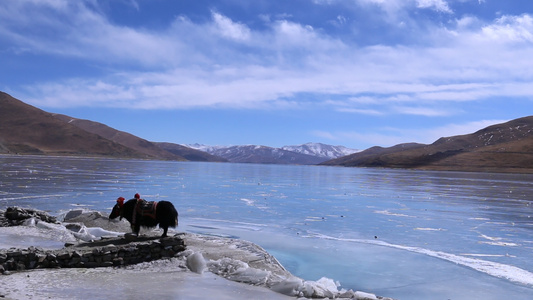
(166, 215)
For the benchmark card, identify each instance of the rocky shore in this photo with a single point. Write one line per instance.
(235, 260)
(107, 252)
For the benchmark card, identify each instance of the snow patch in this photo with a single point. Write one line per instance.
(196, 263)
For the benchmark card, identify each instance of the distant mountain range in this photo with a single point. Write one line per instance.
(24, 129)
(306, 154)
(506, 147)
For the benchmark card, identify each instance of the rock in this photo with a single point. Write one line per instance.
(130, 237)
(14, 216)
(76, 227)
(97, 219)
(72, 214)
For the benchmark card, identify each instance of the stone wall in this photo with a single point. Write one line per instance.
(105, 253)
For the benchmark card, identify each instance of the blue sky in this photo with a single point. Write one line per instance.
(356, 73)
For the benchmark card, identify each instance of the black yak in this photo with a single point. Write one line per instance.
(140, 212)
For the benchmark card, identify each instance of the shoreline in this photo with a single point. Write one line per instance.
(434, 168)
(235, 260)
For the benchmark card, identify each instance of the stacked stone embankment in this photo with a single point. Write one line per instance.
(107, 252)
(91, 255)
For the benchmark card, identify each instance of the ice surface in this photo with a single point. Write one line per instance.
(164, 279)
(511, 273)
(152, 282)
(470, 215)
(373, 265)
(237, 270)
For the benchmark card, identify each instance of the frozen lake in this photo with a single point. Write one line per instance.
(396, 233)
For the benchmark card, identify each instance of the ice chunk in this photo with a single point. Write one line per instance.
(49, 226)
(30, 222)
(323, 288)
(240, 271)
(100, 232)
(290, 287)
(196, 262)
(365, 296)
(81, 232)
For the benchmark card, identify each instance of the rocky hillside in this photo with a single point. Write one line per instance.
(25, 129)
(506, 147)
(126, 139)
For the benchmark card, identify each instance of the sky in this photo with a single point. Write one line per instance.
(358, 73)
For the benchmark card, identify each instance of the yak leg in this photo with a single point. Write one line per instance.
(136, 228)
(165, 229)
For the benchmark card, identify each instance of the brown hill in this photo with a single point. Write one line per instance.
(370, 156)
(151, 150)
(189, 153)
(25, 129)
(506, 147)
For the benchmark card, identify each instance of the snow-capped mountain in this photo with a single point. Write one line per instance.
(321, 150)
(204, 148)
(307, 154)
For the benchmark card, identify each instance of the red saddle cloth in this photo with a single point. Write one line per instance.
(145, 208)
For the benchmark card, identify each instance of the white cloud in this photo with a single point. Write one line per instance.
(231, 29)
(361, 111)
(439, 5)
(396, 9)
(68, 28)
(510, 28)
(422, 111)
